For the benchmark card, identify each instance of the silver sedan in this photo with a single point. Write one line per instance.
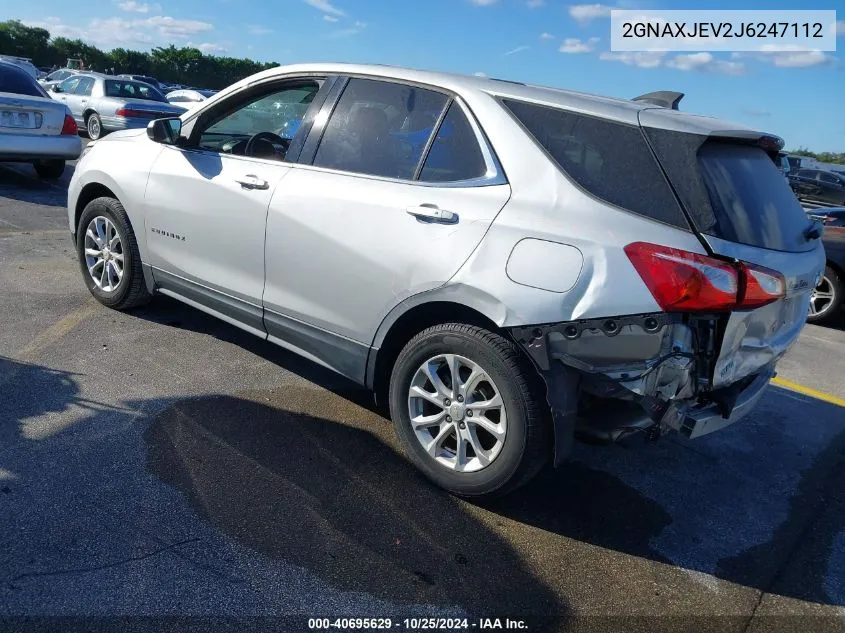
(102, 104)
(34, 128)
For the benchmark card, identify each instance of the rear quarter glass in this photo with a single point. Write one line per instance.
(609, 160)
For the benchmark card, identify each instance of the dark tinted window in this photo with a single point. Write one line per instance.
(825, 177)
(752, 203)
(610, 160)
(380, 128)
(806, 173)
(84, 87)
(455, 154)
(19, 82)
(124, 89)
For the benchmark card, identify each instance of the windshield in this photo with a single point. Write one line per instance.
(125, 89)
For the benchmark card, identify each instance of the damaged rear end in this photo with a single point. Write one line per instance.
(726, 317)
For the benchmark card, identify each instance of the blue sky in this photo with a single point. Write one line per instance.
(800, 96)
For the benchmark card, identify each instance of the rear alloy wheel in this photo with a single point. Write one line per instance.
(469, 410)
(94, 126)
(826, 300)
(50, 169)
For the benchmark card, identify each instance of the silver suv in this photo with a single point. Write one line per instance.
(506, 266)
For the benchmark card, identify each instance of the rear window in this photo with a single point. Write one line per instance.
(609, 160)
(132, 90)
(751, 202)
(17, 81)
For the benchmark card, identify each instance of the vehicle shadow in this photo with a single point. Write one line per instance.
(19, 181)
(732, 505)
(295, 490)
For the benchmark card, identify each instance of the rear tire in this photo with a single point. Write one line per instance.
(94, 126)
(49, 169)
(494, 463)
(109, 227)
(827, 299)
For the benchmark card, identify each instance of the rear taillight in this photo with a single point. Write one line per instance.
(126, 112)
(760, 286)
(69, 126)
(681, 281)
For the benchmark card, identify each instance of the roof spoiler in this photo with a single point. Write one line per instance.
(662, 98)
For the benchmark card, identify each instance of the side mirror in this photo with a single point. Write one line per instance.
(165, 131)
(55, 88)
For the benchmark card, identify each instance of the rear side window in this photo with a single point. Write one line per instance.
(828, 177)
(17, 81)
(380, 128)
(751, 202)
(609, 160)
(454, 155)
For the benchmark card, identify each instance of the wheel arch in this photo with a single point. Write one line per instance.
(409, 318)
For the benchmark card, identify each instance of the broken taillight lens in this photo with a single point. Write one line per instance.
(681, 281)
(760, 286)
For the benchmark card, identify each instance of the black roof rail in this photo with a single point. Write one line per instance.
(662, 98)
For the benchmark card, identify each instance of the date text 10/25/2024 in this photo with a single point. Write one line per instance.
(417, 624)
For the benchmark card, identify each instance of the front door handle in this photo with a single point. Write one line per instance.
(431, 213)
(251, 181)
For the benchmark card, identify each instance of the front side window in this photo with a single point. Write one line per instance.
(828, 178)
(276, 117)
(69, 85)
(380, 128)
(84, 87)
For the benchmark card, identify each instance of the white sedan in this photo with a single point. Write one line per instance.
(189, 98)
(33, 127)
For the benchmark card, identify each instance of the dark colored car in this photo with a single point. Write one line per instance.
(144, 78)
(819, 186)
(829, 296)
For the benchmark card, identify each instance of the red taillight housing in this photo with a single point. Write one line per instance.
(69, 126)
(129, 113)
(681, 281)
(760, 286)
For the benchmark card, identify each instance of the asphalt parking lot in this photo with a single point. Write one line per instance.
(164, 464)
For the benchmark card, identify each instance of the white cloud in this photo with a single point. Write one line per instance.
(587, 12)
(139, 7)
(798, 58)
(546, 36)
(330, 18)
(645, 59)
(257, 29)
(518, 49)
(326, 7)
(357, 28)
(575, 45)
(690, 61)
(171, 27)
(209, 48)
(114, 32)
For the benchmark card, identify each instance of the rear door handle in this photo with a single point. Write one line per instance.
(430, 213)
(251, 181)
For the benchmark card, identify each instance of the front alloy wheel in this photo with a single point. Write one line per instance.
(457, 413)
(827, 298)
(104, 254)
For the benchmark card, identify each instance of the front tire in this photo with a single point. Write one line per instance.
(94, 126)
(49, 169)
(108, 255)
(469, 410)
(827, 298)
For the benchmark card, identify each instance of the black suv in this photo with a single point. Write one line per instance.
(821, 187)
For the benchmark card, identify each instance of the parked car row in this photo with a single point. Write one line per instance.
(828, 299)
(818, 186)
(34, 128)
(104, 103)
